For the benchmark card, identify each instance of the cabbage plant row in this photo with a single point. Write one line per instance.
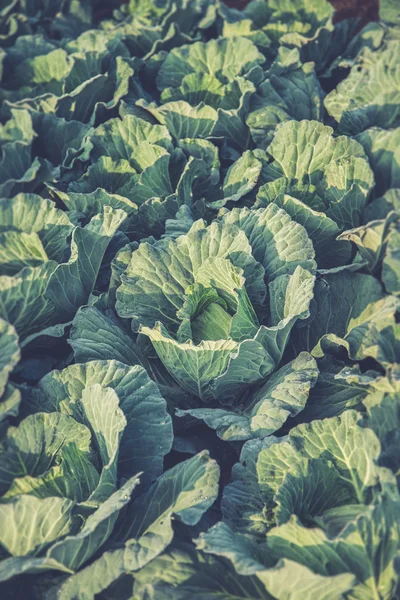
(199, 281)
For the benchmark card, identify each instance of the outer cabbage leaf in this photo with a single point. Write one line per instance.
(382, 148)
(369, 96)
(391, 262)
(147, 437)
(182, 571)
(336, 45)
(37, 288)
(284, 578)
(283, 396)
(350, 309)
(68, 552)
(307, 152)
(289, 91)
(31, 452)
(10, 352)
(356, 550)
(184, 493)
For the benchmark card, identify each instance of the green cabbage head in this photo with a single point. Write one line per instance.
(219, 303)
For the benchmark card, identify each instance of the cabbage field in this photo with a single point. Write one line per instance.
(199, 300)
